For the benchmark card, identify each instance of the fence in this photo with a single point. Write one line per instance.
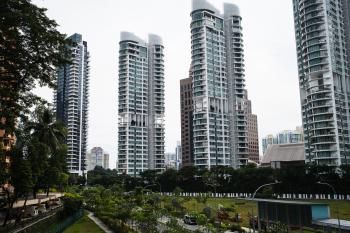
(67, 222)
(278, 196)
(12, 227)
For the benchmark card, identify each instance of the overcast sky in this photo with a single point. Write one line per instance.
(270, 58)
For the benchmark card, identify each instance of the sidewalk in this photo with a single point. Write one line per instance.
(99, 223)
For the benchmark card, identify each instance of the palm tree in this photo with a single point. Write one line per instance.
(46, 129)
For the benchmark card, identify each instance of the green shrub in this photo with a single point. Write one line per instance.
(236, 227)
(71, 204)
(202, 219)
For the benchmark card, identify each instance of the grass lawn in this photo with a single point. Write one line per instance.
(244, 207)
(84, 225)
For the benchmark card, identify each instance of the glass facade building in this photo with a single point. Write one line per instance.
(71, 103)
(322, 40)
(141, 104)
(218, 82)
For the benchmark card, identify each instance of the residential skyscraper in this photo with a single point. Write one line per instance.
(71, 103)
(186, 121)
(322, 41)
(97, 157)
(253, 136)
(141, 104)
(178, 155)
(220, 134)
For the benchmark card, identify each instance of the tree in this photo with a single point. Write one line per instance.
(38, 158)
(21, 179)
(46, 129)
(32, 49)
(47, 149)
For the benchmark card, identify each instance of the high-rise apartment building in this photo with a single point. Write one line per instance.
(220, 134)
(97, 157)
(253, 136)
(186, 121)
(322, 41)
(71, 103)
(178, 155)
(141, 104)
(283, 137)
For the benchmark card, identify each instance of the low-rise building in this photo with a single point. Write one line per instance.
(284, 155)
(283, 137)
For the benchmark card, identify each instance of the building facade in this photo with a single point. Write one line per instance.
(97, 157)
(186, 121)
(71, 104)
(253, 135)
(322, 41)
(283, 137)
(220, 133)
(178, 155)
(141, 104)
(284, 155)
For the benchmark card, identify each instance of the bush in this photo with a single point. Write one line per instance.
(207, 211)
(115, 224)
(202, 219)
(236, 227)
(71, 204)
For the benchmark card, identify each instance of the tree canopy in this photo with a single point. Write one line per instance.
(31, 49)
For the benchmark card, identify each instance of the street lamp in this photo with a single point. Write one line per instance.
(337, 207)
(160, 186)
(143, 188)
(260, 187)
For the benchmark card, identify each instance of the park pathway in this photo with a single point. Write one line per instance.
(99, 223)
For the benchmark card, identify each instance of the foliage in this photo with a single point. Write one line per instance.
(236, 227)
(21, 174)
(32, 48)
(277, 228)
(229, 180)
(202, 219)
(71, 204)
(174, 227)
(207, 211)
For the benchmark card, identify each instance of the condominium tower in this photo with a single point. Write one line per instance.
(186, 121)
(218, 81)
(97, 157)
(71, 103)
(322, 41)
(252, 135)
(141, 104)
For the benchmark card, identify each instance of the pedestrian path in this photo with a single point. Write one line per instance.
(99, 223)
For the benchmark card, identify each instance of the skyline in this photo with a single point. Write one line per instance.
(269, 60)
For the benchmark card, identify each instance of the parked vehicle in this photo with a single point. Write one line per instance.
(41, 208)
(190, 220)
(32, 211)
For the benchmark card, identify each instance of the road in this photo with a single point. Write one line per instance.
(162, 226)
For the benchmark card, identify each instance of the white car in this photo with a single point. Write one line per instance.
(32, 211)
(41, 208)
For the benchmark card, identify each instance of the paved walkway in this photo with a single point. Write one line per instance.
(99, 223)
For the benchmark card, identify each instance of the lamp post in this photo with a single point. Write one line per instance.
(160, 186)
(337, 207)
(260, 187)
(150, 185)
